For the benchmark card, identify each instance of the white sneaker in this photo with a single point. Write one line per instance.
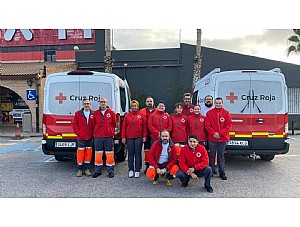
(137, 174)
(130, 174)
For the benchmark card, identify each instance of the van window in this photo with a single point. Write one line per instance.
(255, 97)
(65, 98)
(195, 96)
(123, 98)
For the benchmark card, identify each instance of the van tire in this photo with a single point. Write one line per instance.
(59, 158)
(267, 157)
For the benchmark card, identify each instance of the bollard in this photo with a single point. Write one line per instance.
(293, 131)
(17, 134)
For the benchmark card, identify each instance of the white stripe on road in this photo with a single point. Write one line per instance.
(51, 159)
(288, 155)
(294, 139)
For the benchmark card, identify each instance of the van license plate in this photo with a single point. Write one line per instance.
(65, 144)
(237, 143)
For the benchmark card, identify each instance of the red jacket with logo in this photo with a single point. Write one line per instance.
(104, 125)
(147, 114)
(196, 126)
(134, 125)
(155, 152)
(187, 111)
(81, 128)
(218, 120)
(157, 122)
(179, 128)
(197, 159)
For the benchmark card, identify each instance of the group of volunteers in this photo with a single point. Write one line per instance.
(184, 145)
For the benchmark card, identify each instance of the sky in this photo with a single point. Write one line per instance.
(265, 43)
(254, 27)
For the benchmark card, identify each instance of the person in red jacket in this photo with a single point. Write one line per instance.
(162, 159)
(188, 107)
(158, 121)
(134, 133)
(147, 111)
(218, 123)
(104, 128)
(196, 126)
(179, 126)
(193, 163)
(82, 125)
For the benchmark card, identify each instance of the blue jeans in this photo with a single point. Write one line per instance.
(134, 154)
(206, 172)
(217, 148)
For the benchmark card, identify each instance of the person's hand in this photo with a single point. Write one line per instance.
(190, 171)
(163, 171)
(124, 141)
(216, 135)
(158, 171)
(144, 139)
(194, 176)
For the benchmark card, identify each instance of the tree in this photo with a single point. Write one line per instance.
(197, 58)
(295, 40)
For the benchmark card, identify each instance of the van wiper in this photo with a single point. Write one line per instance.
(247, 105)
(254, 103)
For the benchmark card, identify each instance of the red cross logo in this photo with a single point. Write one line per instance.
(231, 97)
(60, 98)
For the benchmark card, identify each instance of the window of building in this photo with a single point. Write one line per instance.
(49, 55)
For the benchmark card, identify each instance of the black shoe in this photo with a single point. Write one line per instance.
(111, 175)
(184, 185)
(209, 189)
(222, 176)
(96, 175)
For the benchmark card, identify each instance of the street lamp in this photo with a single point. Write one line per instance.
(125, 66)
(38, 84)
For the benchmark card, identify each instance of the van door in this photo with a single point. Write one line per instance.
(267, 109)
(234, 87)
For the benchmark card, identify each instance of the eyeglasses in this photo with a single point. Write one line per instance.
(102, 101)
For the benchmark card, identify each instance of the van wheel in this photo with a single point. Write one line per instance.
(267, 157)
(59, 158)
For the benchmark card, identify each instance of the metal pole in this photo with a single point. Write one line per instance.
(293, 131)
(37, 111)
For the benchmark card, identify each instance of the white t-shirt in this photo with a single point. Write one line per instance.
(164, 156)
(87, 115)
(205, 109)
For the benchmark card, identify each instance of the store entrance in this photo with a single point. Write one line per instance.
(12, 106)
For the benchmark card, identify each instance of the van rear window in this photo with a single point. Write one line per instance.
(65, 98)
(255, 97)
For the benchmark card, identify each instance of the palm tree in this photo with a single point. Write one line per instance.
(295, 40)
(197, 58)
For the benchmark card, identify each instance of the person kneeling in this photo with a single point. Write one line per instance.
(194, 163)
(162, 159)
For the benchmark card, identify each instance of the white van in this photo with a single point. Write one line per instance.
(63, 96)
(257, 101)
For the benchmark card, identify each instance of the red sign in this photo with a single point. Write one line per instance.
(37, 37)
(231, 97)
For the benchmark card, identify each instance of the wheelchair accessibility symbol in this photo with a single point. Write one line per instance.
(31, 94)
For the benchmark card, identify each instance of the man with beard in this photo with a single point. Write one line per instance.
(147, 111)
(208, 105)
(188, 107)
(162, 159)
